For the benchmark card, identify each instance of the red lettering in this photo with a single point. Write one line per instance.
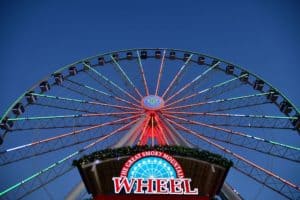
(175, 186)
(162, 186)
(187, 187)
(140, 184)
(154, 186)
(122, 182)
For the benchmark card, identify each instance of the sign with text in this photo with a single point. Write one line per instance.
(153, 172)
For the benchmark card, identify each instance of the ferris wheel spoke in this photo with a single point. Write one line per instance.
(112, 97)
(42, 147)
(124, 127)
(254, 171)
(53, 171)
(160, 72)
(225, 104)
(125, 77)
(88, 91)
(141, 140)
(161, 131)
(108, 84)
(195, 81)
(243, 140)
(173, 136)
(131, 137)
(76, 104)
(177, 76)
(72, 116)
(53, 143)
(142, 73)
(38, 180)
(215, 90)
(64, 121)
(240, 120)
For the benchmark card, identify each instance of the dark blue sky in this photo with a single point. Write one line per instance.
(38, 37)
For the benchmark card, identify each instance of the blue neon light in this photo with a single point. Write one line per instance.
(152, 167)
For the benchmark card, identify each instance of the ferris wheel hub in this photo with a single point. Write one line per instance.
(152, 102)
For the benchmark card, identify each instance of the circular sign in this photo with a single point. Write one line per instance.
(151, 167)
(152, 164)
(152, 102)
(153, 172)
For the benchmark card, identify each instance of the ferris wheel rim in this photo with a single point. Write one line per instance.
(140, 49)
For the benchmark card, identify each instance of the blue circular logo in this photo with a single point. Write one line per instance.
(152, 102)
(152, 167)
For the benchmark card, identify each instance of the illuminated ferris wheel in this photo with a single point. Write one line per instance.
(149, 97)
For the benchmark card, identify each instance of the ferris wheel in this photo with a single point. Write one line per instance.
(149, 97)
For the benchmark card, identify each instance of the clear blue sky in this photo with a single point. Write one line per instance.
(38, 37)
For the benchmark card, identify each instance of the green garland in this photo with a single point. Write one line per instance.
(172, 150)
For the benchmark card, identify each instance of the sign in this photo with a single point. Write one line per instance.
(152, 102)
(153, 172)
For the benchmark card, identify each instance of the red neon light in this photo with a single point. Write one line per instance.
(154, 130)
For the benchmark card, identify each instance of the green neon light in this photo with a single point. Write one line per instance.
(105, 78)
(101, 92)
(185, 64)
(228, 81)
(239, 115)
(205, 72)
(37, 174)
(240, 97)
(220, 84)
(139, 57)
(60, 98)
(269, 116)
(284, 145)
(122, 71)
(273, 142)
(43, 117)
